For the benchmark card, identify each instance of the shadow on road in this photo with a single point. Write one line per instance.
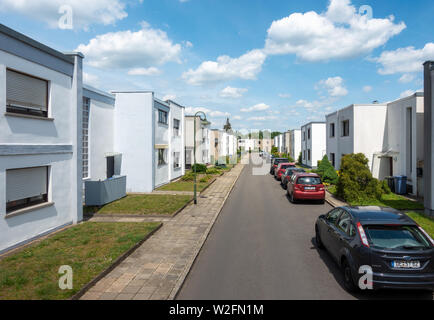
(304, 202)
(369, 295)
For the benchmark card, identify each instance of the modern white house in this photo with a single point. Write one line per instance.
(223, 144)
(294, 143)
(313, 143)
(390, 135)
(203, 141)
(40, 139)
(148, 134)
(429, 137)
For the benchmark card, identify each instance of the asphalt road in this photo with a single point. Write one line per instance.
(263, 247)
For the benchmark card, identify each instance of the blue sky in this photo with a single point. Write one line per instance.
(265, 64)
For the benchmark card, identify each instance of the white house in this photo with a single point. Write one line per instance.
(148, 133)
(313, 144)
(222, 145)
(40, 139)
(203, 141)
(429, 137)
(390, 135)
(294, 143)
(247, 144)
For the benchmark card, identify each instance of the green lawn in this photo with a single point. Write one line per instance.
(89, 248)
(154, 204)
(203, 181)
(425, 222)
(387, 200)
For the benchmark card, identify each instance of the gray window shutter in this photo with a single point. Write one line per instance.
(23, 90)
(25, 183)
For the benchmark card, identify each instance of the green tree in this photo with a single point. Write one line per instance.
(300, 160)
(275, 134)
(327, 171)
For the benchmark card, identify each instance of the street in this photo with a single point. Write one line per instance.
(263, 247)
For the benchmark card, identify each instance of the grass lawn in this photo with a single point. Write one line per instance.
(89, 248)
(425, 222)
(203, 181)
(387, 200)
(154, 204)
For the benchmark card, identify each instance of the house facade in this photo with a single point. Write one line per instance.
(294, 143)
(203, 141)
(313, 144)
(392, 139)
(40, 139)
(429, 137)
(223, 146)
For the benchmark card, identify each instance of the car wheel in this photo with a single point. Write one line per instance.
(348, 278)
(321, 201)
(318, 240)
(292, 198)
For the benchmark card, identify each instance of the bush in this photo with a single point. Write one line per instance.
(385, 187)
(213, 171)
(356, 182)
(189, 176)
(326, 171)
(200, 168)
(300, 160)
(204, 179)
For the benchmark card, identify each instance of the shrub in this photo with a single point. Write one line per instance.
(385, 187)
(200, 168)
(188, 177)
(327, 171)
(355, 182)
(213, 171)
(300, 160)
(204, 179)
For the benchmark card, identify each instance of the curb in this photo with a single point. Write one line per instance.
(202, 241)
(117, 262)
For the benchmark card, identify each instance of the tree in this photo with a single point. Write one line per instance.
(227, 127)
(275, 134)
(327, 171)
(300, 160)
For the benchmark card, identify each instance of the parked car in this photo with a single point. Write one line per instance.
(275, 162)
(306, 186)
(288, 174)
(281, 168)
(400, 253)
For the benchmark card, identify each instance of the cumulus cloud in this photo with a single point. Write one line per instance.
(245, 67)
(338, 33)
(130, 49)
(151, 71)
(230, 92)
(208, 112)
(406, 78)
(85, 13)
(367, 89)
(257, 107)
(334, 86)
(90, 79)
(284, 95)
(169, 97)
(263, 118)
(404, 60)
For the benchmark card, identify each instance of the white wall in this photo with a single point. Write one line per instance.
(316, 144)
(177, 142)
(63, 166)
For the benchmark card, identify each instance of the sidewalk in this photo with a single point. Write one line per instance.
(157, 269)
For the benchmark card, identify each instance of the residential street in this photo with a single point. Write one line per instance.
(263, 247)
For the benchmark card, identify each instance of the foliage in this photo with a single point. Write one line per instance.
(326, 171)
(214, 170)
(189, 176)
(300, 160)
(200, 168)
(275, 134)
(356, 182)
(385, 187)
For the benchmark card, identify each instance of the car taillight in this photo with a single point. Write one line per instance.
(362, 235)
(426, 235)
(297, 187)
(321, 188)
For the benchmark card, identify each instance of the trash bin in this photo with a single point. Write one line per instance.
(400, 184)
(391, 183)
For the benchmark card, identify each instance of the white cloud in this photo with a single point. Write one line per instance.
(208, 112)
(404, 60)
(91, 79)
(263, 118)
(367, 89)
(151, 71)
(169, 97)
(245, 67)
(85, 13)
(257, 107)
(334, 86)
(130, 49)
(237, 118)
(406, 78)
(284, 95)
(408, 93)
(230, 92)
(338, 33)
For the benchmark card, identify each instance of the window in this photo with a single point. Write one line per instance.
(85, 138)
(332, 130)
(344, 223)
(308, 155)
(176, 126)
(176, 162)
(26, 187)
(308, 134)
(304, 135)
(110, 166)
(162, 116)
(304, 154)
(162, 157)
(346, 128)
(396, 237)
(309, 181)
(333, 158)
(333, 216)
(26, 94)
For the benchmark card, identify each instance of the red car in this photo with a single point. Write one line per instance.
(306, 186)
(281, 168)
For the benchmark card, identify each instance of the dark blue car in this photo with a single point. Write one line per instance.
(399, 252)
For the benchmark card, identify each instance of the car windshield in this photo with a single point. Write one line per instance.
(396, 238)
(285, 166)
(277, 161)
(311, 181)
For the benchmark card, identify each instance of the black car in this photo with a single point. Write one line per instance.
(288, 174)
(400, 253)
(275, 163)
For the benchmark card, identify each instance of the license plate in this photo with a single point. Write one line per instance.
(406, 264)
(309, 188)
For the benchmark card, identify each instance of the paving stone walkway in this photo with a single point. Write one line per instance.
(157, 269)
